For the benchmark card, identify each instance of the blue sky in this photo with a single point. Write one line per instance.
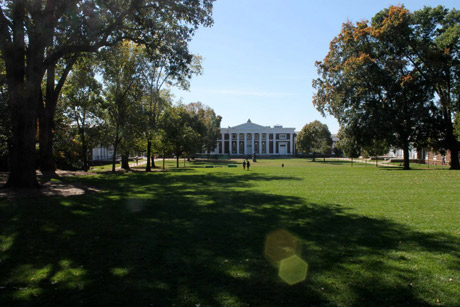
(259, 57)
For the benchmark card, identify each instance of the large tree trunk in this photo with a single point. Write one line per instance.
(149, 148)
(451, 140)
(153, 160)
(453, 147)
(24, 83)
(24, 128)
(406, 156)
(125, 161)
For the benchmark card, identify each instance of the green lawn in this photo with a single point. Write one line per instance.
(195, 237)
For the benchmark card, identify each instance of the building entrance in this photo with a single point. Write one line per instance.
(283, 149)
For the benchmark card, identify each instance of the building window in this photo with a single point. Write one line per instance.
(234, 147)
(264, 136)
(226, 136)
(241, 136)
(270, 136)
(256, 136)
(241, 147)
(249, 137)
(264, 147)
(282, 136)
(234, 136)
(256, 146)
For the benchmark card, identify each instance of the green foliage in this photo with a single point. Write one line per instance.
(123, 92)
(82, 104)
(348, 144)
(314, 138)
(368, 83)
(375, 148)
(457, 126)
(179, 133)
(5, 125)
(207, 124)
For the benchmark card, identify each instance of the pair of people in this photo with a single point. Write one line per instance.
(246, 164)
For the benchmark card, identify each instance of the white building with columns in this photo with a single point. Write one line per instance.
(249, 138)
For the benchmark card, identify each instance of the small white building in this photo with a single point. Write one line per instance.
(102, 153)
(249, 138)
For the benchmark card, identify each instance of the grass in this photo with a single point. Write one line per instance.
(195, 236)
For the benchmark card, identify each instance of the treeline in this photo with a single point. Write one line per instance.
(134, 46)
(394, 81)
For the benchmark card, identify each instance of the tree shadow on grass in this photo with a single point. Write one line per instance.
(164, 239)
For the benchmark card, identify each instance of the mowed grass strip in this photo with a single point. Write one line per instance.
(195, 236)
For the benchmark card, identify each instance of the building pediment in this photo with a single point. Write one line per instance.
(248, 126)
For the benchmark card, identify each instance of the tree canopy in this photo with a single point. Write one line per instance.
(35, 35)
(379, 79)
(314, 138)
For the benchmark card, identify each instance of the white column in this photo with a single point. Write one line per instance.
(268, 143)
(230, 143)
(252, 138)
(223, 143)
(292, 141)
(238, 143)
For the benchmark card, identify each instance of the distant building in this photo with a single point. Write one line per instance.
(249, 138)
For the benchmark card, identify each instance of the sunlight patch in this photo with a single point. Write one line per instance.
(69, 276)
(29, 274)
(27, 293)
(120, 272)
(6, 242)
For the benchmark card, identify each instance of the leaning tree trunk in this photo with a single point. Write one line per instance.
(46, 139)
(47, 110)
